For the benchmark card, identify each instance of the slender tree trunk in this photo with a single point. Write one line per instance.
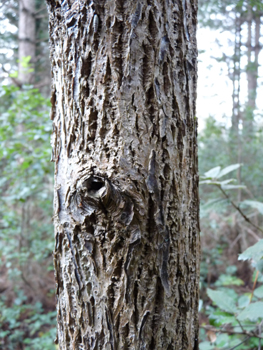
(26, 40)
(236, 79)
(253, 50)
(236, 144)
(126, 184)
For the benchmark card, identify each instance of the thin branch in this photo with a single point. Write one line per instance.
(252, 233)
(40, 10)
(235, 241)
(234, 347)
(41, 16)
(15, 81)
(240, 325)
(45, 82)
(239, 210)
(231, 332)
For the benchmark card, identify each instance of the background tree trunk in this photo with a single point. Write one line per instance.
(253, 50)
(126, 183)
(26, 40)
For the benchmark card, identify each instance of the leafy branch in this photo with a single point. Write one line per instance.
(238, 209)
(211, 178)
(233, 332)
(230, 312)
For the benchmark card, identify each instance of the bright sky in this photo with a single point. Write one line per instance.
(214, 93)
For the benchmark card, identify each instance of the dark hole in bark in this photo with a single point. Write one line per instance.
(71, 22)
(95, 186)
(89, 246)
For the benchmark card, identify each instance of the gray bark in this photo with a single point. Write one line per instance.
(126, 184)
(26, 39)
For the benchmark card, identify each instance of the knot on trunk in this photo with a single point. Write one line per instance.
(96, 193)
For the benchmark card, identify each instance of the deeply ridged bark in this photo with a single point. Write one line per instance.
(126, 184)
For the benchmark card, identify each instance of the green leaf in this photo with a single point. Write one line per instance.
(218, 318)
(206, 345)
(222, 300)
(255, 252)
(4, 334)
(232, 269)
(259, 292)
(254, 204)
(259, 267)
(25, 61)
(233, 187)
(225, 182)
(228, 169)
(213, 173)
(222, 340)
(14, 75)
(227, 280)
(244, 301)
(210, 182)
(252, 312)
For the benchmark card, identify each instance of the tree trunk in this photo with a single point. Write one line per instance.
(26, 40)
(236, 115)
(126, 184)
(253, 50)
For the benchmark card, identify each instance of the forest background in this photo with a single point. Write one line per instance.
(230, 113)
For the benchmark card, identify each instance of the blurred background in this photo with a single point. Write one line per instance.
(230, 117)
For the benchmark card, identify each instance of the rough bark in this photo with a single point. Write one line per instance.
(26, 39)
(126, 184)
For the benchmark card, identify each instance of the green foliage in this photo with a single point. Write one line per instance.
(252, 312)
(26, 232)
(26, 66)
(9, 40)
(216, 172)
(25, 169)
(255, 253)
(239, 312)
(26, 324)
(259, 292)
(217, 145)
(253, 204)
(228, 280)
(231, 209)
(223, 300)
(216, 14)
(211, 177)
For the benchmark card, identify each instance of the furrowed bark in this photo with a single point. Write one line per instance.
(126, 184)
